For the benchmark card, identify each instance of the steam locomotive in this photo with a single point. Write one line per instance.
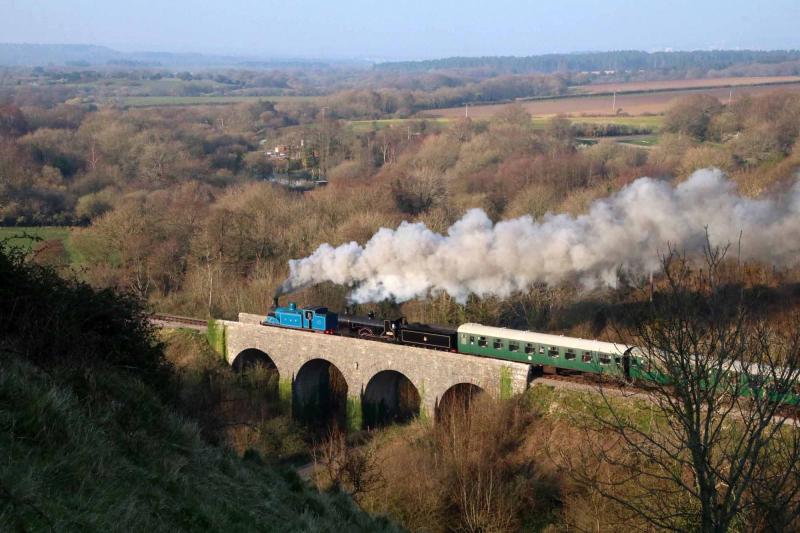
(321, 320)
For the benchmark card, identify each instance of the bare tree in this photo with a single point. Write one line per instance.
(352, 469)
(708, 448)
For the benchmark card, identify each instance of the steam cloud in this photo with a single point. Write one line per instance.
(625, 230)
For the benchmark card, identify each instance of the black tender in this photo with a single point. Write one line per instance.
(427, 336)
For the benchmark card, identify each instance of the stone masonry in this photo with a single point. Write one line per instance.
(431, 372)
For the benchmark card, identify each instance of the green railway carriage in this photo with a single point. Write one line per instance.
(557, 351)
(780, 385)
(597, 357)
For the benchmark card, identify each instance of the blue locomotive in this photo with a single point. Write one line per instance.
(310, 318)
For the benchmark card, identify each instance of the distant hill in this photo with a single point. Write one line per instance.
(88, 55)
(600, 61)
(55, 54)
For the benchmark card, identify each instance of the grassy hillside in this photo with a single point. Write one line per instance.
(90, 438)
(119, 460)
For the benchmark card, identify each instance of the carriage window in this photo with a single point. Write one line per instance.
(569, 355)
(529, 348)
(587, 357)
(513, 347)
(498, 344)
(471, 339)
(617, 360)
(541, 350)
(482, 342)
(605, 359)
(552, 351)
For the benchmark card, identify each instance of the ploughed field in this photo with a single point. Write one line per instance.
(668, 85)
(637, 103)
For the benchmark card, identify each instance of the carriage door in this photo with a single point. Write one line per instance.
(309, 319)
(626, 364)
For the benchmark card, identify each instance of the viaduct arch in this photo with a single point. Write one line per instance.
(372, 372)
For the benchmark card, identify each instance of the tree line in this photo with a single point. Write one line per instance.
(599, 61)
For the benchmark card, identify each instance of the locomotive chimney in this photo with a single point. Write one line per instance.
(275, 302)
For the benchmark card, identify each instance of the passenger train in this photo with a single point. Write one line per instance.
(541, 350)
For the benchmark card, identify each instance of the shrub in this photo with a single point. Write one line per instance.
(57, 322)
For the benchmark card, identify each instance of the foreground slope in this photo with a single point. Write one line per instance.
(119, 460)
(90, 438)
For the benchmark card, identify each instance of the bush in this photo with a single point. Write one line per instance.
(692, 115)
(415, 195)
(51, 321)
(471, 471)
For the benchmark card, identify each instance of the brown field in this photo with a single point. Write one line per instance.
(631, 104)
(666, 85)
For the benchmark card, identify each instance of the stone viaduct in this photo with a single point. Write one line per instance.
(372, 370)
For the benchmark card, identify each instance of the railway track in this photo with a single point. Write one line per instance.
(162, 319)
(592, 384)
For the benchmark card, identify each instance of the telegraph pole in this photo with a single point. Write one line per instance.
(323, 170)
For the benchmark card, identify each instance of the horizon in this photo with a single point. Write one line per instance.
(358, 31)
(376, 60)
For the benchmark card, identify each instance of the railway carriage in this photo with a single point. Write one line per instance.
(540, 349)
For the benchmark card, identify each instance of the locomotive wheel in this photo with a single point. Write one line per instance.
(364, 333)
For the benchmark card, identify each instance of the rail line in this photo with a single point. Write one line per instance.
(165, 319)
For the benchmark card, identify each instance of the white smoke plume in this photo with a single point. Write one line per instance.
(626, 230)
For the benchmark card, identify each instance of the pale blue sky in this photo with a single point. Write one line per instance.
(403, 29)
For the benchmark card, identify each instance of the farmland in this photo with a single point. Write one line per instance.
(671, 85)
(361, 126)
(25, 238)
(639, 103)
(649, 122)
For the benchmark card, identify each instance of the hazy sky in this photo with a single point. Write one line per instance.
(403, 29)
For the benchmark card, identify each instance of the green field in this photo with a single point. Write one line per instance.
(645, 141)
(161, 101)
(652, 122)
(361, 126)
(26, 238)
